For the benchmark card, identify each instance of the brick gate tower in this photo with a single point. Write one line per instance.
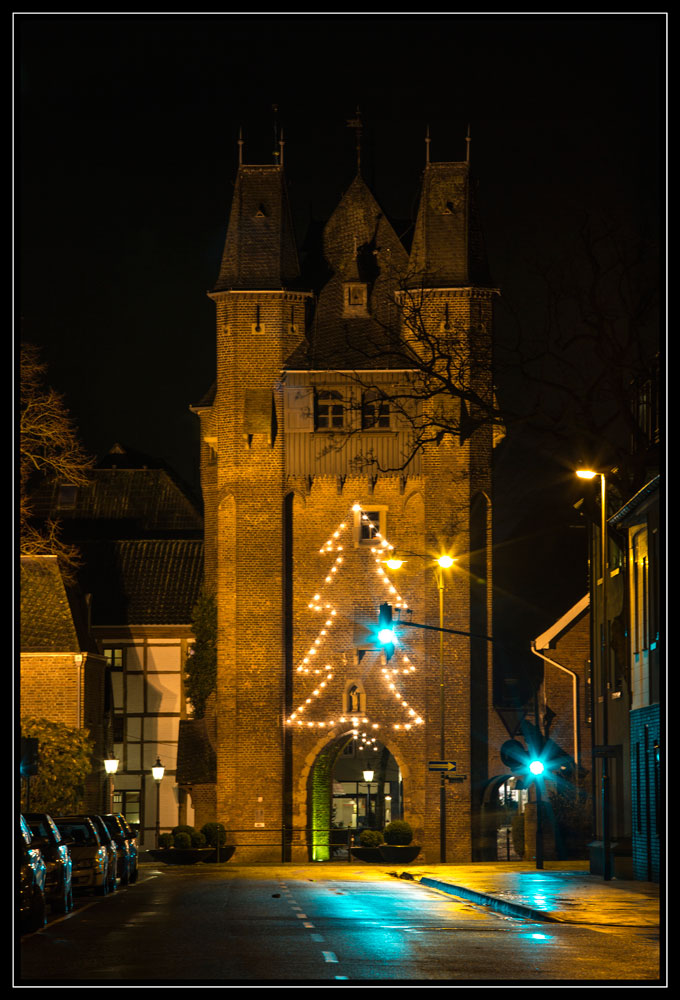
(312, 475)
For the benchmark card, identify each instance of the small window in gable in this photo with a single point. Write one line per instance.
(355, 302)
(67, 496)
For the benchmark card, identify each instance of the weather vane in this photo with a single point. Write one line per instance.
(357, 125)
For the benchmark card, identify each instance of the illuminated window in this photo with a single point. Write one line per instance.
(368, 524)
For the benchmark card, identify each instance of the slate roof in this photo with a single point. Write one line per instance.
(134, 499)
(359, 245)
(196, 760)
(259, 251)
(143, 581)
(448, 247)
(46, 623)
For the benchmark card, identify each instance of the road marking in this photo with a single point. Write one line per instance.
(301, 916)
(329, 956)
(316, 937)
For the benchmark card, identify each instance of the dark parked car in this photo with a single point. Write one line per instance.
(122, 833)
(112, 851)
(32, 875)
(57, 857)
(89, 856)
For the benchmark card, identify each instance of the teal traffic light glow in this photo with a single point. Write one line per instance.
(537, 767)
(386, 634)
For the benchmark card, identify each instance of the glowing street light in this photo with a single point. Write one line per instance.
(158, 771)
(604, 566)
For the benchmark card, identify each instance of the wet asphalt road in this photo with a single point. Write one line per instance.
(286, 924)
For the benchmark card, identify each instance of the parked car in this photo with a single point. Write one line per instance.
(112, 850)
(57, 857)
(122, 833)
(90, 859)
(32, 876)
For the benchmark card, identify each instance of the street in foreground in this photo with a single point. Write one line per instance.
(269, 924)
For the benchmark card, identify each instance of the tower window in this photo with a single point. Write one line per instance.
(355, 300)
(330, 411)
(375, 411)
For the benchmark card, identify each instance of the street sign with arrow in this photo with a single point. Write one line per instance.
(442, 765)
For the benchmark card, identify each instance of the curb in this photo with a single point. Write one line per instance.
(502, 905)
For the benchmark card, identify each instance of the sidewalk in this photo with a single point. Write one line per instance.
(562, 891)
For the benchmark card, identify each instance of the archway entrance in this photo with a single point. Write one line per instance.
(354, 785)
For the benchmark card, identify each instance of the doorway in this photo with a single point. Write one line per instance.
(355, 785)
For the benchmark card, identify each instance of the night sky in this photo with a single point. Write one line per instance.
(126, 133)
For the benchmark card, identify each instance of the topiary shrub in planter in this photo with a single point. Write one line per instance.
(398, 847)
(369, 846)
(398, 832)
(184, 846)
(216, 838)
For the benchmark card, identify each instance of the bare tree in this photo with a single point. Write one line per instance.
(49, 449)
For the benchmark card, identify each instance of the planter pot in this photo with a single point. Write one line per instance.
(399, 854)
(226, 852)
(366, 853)
(181, 855)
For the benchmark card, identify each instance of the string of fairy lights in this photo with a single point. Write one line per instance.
(321, 673)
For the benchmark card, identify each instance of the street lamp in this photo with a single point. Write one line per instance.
(442, 563)
(158, 771)
(368, 778)
(604, 566)
(111, 766)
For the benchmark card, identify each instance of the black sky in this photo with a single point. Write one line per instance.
(126, 130)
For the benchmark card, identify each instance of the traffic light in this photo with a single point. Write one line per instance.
(386, 635)
(526, 763)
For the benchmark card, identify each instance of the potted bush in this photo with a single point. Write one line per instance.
(184, 846)
(216, 839)
(398, 847)
(369, 846)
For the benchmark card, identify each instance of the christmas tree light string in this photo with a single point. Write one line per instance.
(318, 604)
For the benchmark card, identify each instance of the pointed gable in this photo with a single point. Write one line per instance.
(356, 306)
(259, 251)
(448, 249)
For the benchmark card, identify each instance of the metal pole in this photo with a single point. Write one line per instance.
(442, 779)
(606, 866)
(158, 813)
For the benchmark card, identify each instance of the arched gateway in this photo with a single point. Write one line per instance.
(310, 476)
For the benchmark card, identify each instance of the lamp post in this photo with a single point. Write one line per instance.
(158, 771)
(604, 566)
(441, 563)
(368, 778)
(111, 766)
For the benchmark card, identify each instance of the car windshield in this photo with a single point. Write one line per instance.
(79, 831)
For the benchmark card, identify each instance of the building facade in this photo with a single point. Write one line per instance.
(139, 534)
(310, 478)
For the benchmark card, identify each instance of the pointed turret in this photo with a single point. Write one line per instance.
(448, 249)
(259, 251)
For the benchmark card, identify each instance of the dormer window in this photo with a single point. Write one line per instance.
(355, 301)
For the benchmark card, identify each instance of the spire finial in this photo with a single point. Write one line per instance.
(276, 152)
(356, 124)
(240, 146)
(281, 145)
(468, 140)
(427, 144)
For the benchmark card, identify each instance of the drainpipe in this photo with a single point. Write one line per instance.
(574, 684)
